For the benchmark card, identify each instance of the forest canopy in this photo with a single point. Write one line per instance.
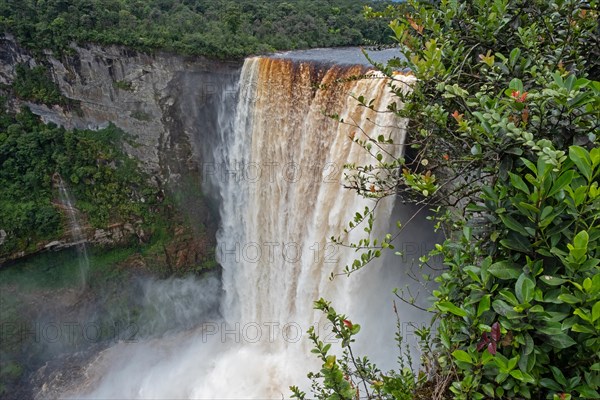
(219, 29)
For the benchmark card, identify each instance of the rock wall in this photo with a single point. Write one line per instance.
(170, 106)
(162, 100)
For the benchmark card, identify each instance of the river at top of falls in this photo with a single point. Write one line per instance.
(279, 172)
(340, 55)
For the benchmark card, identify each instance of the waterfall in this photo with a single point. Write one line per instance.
(75, 230)
(279, 174)
(282, 186)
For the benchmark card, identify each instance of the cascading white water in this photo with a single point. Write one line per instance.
(282, 190)
(280, 161)
(76, 231)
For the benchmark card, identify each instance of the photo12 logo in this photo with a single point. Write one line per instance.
(252, 332)
(286, 332)
(272, 172)
(68, 332)
(278, 252)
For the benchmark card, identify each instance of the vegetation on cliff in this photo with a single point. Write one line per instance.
(35, 84)
(504, 140)
(109, 186)
(222, 29)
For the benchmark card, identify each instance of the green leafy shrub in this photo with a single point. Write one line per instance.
(353, 377)
(503, 133)
(541, 287)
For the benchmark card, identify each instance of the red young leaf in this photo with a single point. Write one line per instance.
(518, 96)
(492, 348)
(458, 117)
(481, 345)
(485, 340)
(348, 324)
(496, 332)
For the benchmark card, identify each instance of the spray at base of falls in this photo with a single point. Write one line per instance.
(282, 162)
(75, 229)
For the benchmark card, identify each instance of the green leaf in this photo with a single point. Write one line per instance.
(552, 280)
(587, 392)
(583, 315)
(524, 288)
(582, 159)
(502, 308)
(558, 376)
(501, 377)
(473, 273)
(518, 182)
(561, 182)
(582, 329)
(512, 224)
(505, 270)
(596, 311)
(531, 166)
(515, 83)
(558, 78)
(595, 156)
(513, 58)
(488, 389)
(517, 243)
(512, 363)
(529, 345)
(484, 304)
(523, 377)
(587, 284)
(447, 306)
(330, 362)
(526, 207)
(569, 298)
(485, 265)
(550, 384)
(560, 341)
(550, 328)
(581, 240)
(461, 355)
(509, 296)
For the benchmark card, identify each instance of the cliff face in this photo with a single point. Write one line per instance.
(169, 105)
(162, 100)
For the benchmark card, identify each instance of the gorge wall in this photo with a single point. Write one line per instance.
(160, 99)
(166, 103)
